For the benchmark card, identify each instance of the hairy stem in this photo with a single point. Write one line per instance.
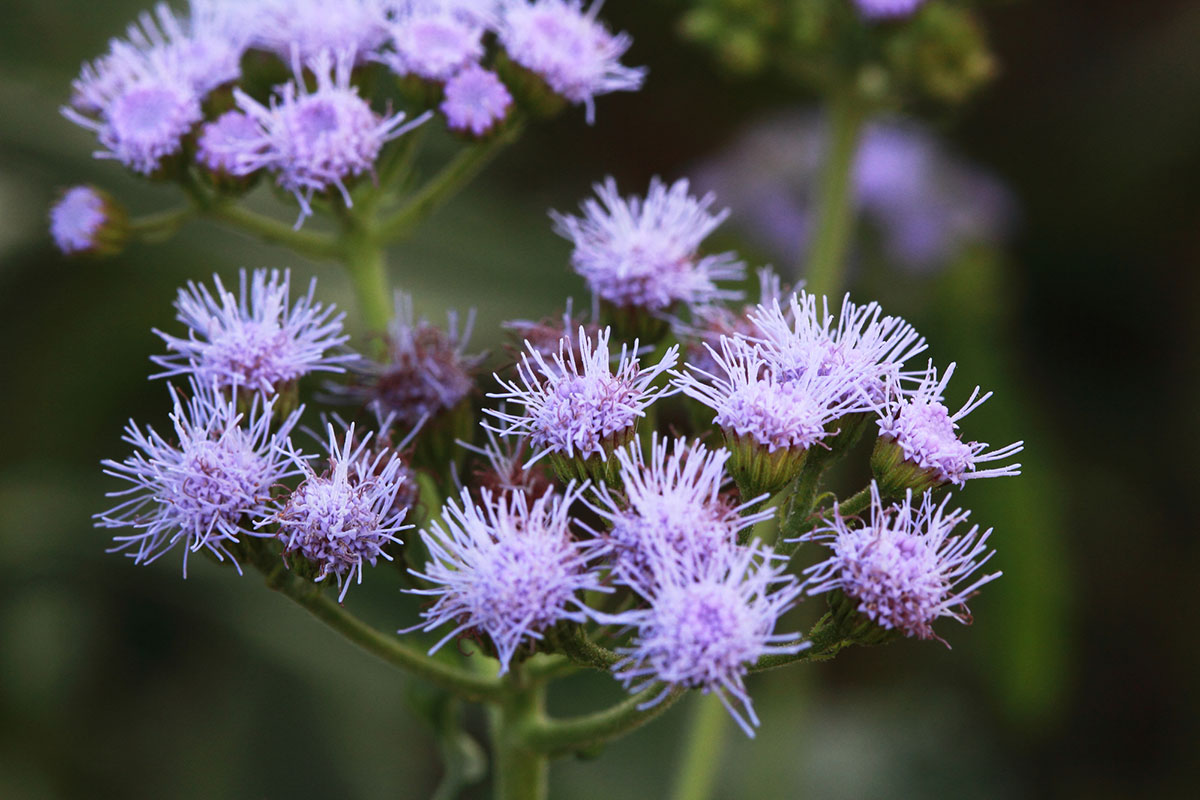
(825, 641)
(559, 737)
(313, 599)
(826, 256)
(520, 770)
(697, 776)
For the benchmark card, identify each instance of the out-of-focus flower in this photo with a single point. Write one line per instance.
(926, 204)
(86, 220)
(507, 567)
(204, 486)
(433, 41)
(899, 571)
(343, 517)
(643, 252)
(254, 340)
(317, 140)
(887, 9)
(226, 140)
(475, 101)
(708, 621)
(919, 447)
(307, 28)
(568, 48)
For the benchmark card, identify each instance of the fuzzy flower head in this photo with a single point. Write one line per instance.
(342, 518)
(433, 41)
(576, 404)
(203, 486)
(507, 567)
(253, 340)
(642, 252)
(476, 101)
(670, 506)
(925, 433)
(860, 348)
(708, 621)
(572, 52)
(428, 371)
(226, 140)
(145, 108)
(902, 569)
(887, 9)
(316, 141)
(86, 220)
(306, 28)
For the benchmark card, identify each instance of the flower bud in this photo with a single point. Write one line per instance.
(87, 221)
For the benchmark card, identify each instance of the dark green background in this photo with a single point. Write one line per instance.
(1077, 679)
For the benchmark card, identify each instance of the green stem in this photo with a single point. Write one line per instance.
(558, 737)
(697, 774)
(465, 166)
(520, 770)
(313, 599)
(366, 262)
(825, 640)
(162, 225)
(835, 197)
(855, 503)
(579, 648)
(313, 244)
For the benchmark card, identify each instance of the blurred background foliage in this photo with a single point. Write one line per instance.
(1077, 681)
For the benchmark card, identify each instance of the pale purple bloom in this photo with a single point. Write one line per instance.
(254, 340)
(926, 204)
(753, 401)
(307, 28)
(475, 101)
(860, 347)
(711, 321)
(643, 252)
(229, 139)
(670, 505)
(343, 517)
(317, 140)
(146, 108)
(202, 486)
(902, 568)
(428, 370)
(887, 9)
(573, 53)
(77, 220)
(508, 567)
(708, 621)
(433, 42)
(926, 432)
(506, 470)
(575, 403)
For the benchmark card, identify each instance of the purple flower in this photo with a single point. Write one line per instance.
(84, 220)
(753, 401)
(709, 619)
(346, 515)
(476, 101)
(643, 252)
(253, 340)
(315, 141)
(902, 569)
(887, 9)
(573, 53)
(433, 41)
(306, 28)
(711, 321)
(860, 348)
(202, 487)
(145, 109)
(506, 470)
(428, 371)
(507, 567)
(669, 507)
(575, 404)
(231, 138)
(926, 433)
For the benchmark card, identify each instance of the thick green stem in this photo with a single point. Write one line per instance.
(366, 262)
(826, 256)
(455, 175)
(315, 245)
(579, 648)
(521, 771)
(855, 503)
(697, 776)
(558, 737)
(312, 598)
